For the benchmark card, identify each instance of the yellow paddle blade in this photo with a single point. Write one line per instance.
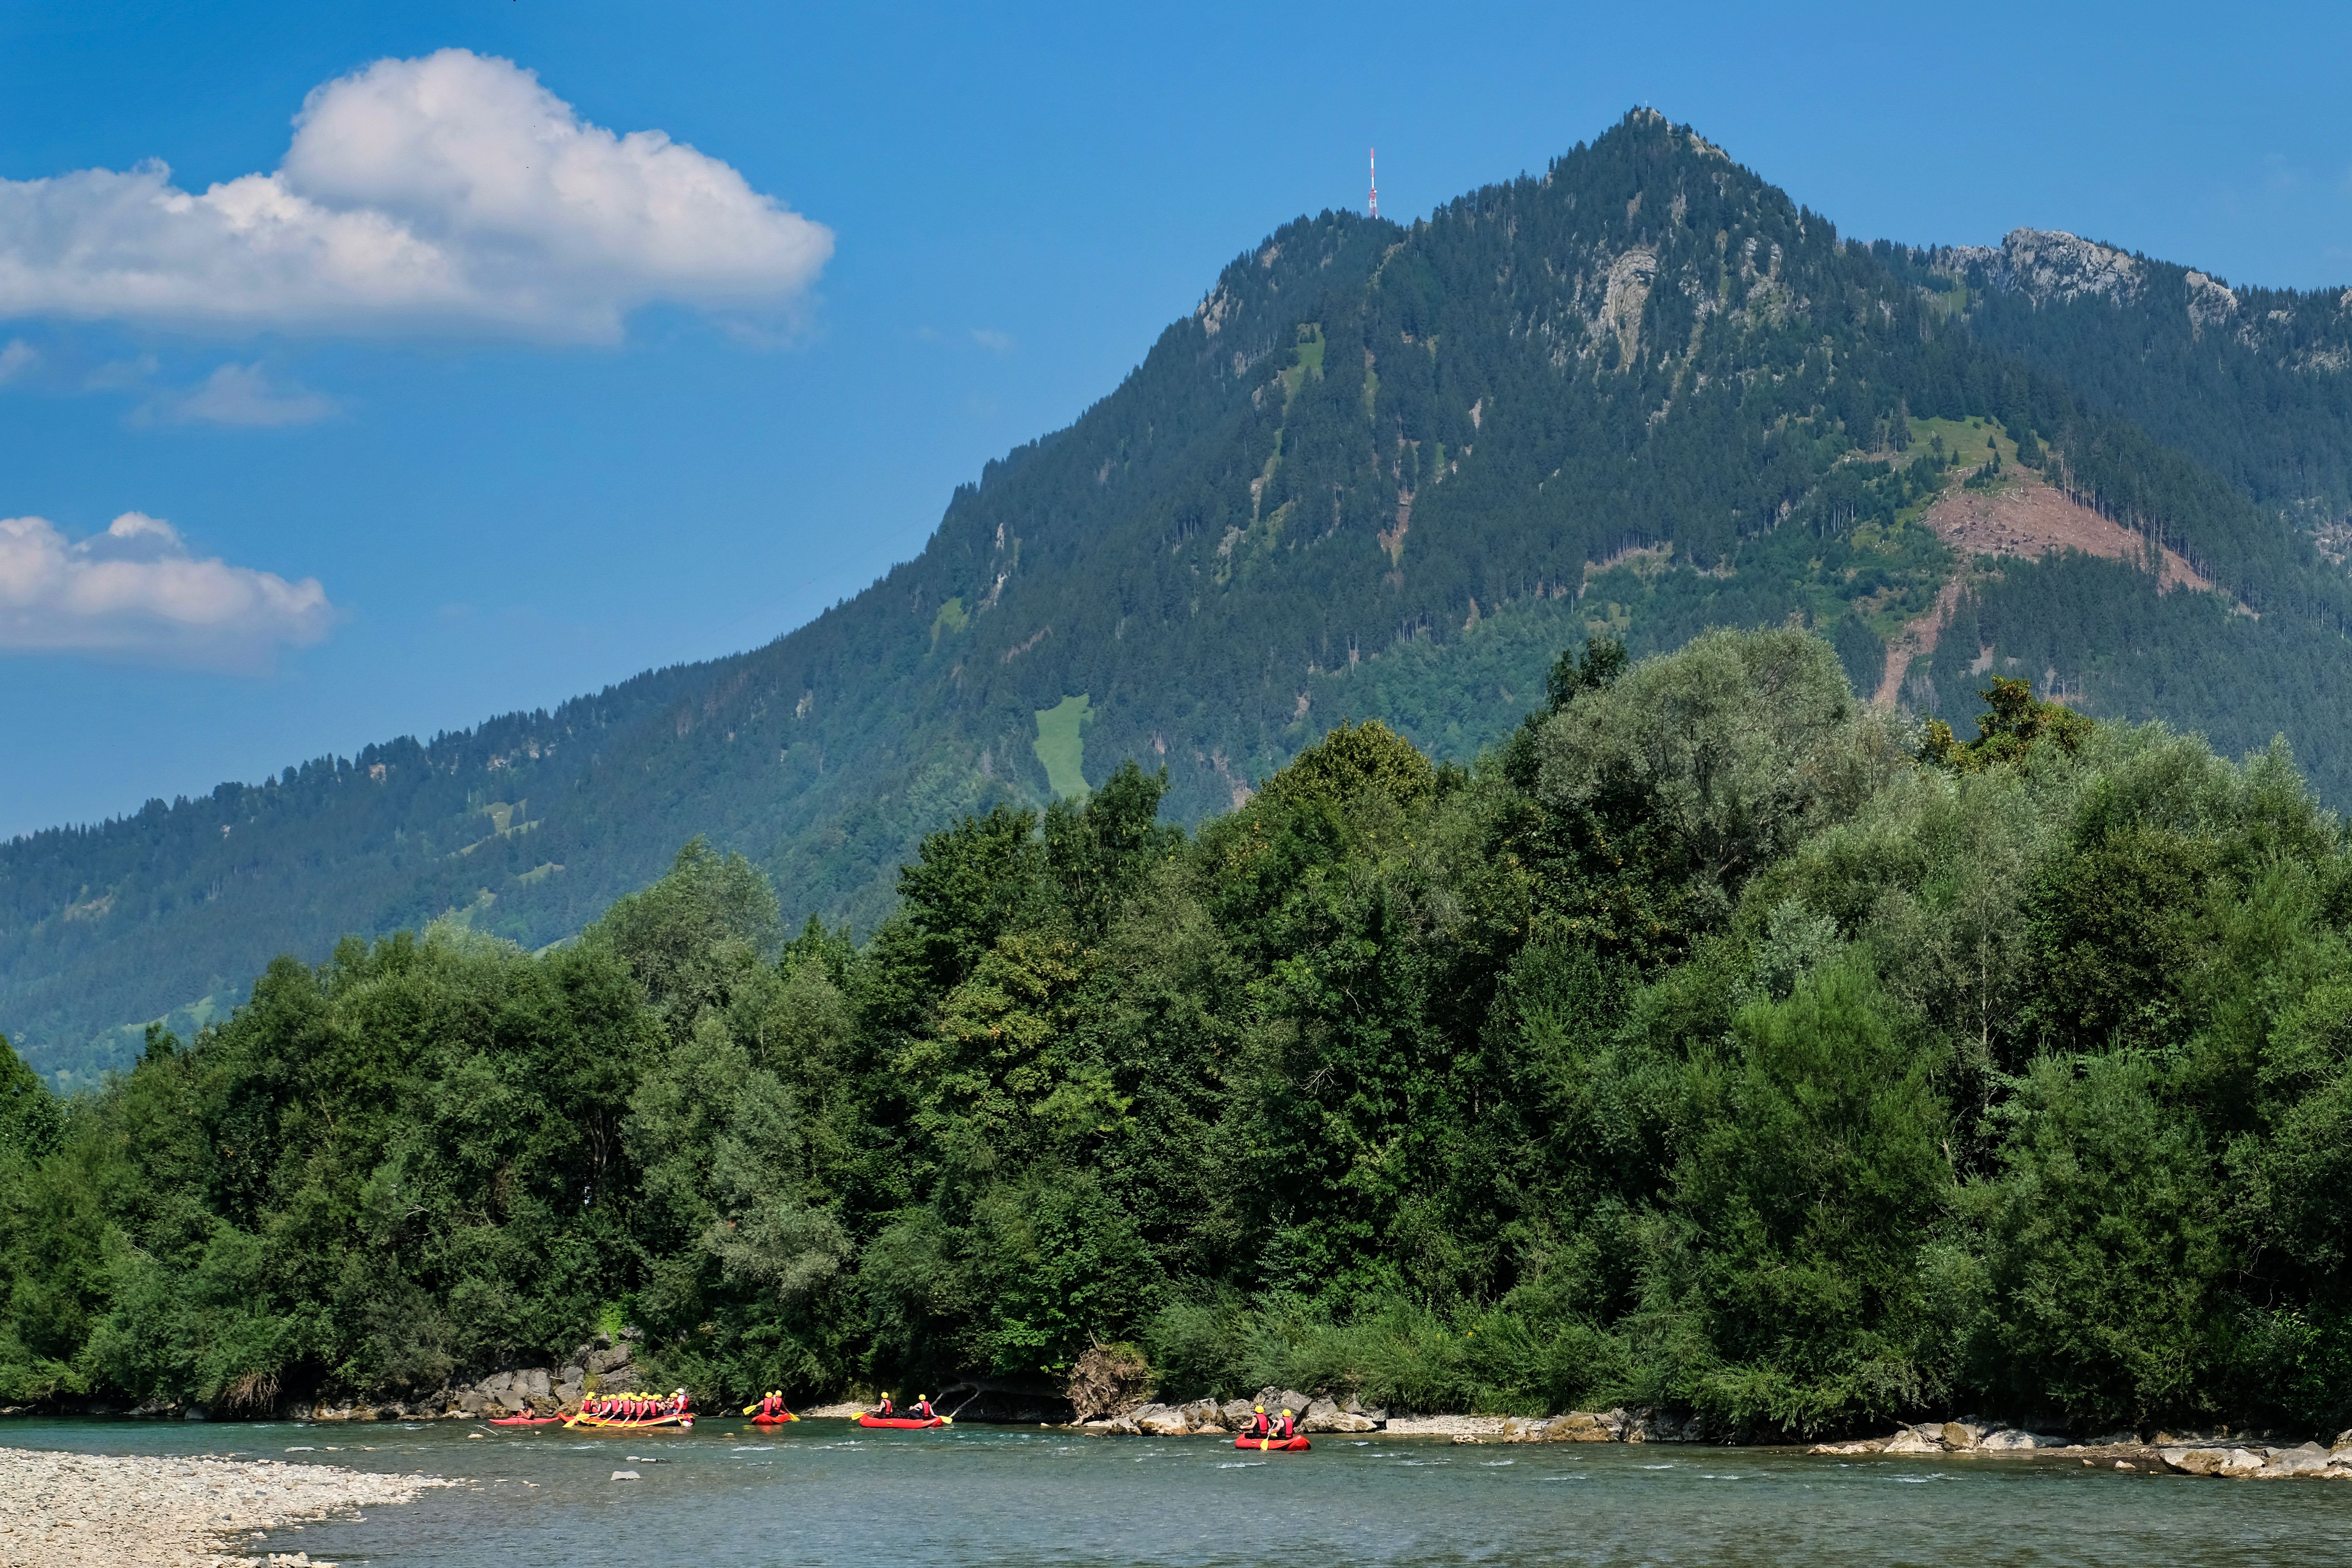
(748, 1408)
(947, 1420)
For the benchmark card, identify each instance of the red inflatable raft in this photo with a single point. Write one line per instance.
(526, 1420)
(773, 1420)
(1273, 1444)
(899, 1421)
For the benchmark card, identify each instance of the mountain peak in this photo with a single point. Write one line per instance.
(1382, 471)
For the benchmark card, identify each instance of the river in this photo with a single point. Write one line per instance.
(824, 1493)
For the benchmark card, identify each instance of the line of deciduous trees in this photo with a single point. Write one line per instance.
(1713, 1043)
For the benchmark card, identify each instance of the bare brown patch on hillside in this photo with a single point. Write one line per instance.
(2030, 517)
(1916, 640)
(1647, 560)
(1392, 539)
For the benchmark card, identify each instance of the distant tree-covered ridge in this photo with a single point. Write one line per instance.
(1713, 1042)
(1380, 472)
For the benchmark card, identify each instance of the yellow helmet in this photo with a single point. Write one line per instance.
(1285, 1410)
(1259, 1408)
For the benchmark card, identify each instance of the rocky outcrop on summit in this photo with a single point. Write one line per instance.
(2211, 302)
(2051, 263)
(2303, 332)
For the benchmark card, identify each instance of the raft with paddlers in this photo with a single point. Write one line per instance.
(1269, 1436)
(770, 1411)
(632, 1412)
(676, 1423)
(918, 1416)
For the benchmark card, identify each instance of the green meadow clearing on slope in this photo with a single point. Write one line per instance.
(1062, 745)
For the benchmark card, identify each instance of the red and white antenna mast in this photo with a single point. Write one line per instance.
(1376, 181)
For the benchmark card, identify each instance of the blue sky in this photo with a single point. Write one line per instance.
(366, 491)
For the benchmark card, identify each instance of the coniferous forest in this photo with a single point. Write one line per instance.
(1382, 471)
(1712, 1041)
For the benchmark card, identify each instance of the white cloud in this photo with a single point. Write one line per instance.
(993, 341)
(18, 359)
(136, 589)
(243, 395)
(450, 194)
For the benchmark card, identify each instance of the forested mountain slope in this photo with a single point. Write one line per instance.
(1381, 471)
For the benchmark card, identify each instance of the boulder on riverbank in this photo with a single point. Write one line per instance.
(2239, 1458)
(2250, 1462)
(1326, 1416)
(1323, 1415)
(1617, 1425)
(1947, 1437)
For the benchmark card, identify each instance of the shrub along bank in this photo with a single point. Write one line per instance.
(1716, 1044)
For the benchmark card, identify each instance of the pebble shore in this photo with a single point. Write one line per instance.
(88, 1508)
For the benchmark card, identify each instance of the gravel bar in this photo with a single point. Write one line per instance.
(69, 1509)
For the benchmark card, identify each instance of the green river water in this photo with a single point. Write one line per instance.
(823, 1492)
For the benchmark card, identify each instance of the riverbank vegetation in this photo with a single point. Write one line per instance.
(1715, 1042)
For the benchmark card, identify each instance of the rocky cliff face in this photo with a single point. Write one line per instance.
(2051, 263)
(2311, 333)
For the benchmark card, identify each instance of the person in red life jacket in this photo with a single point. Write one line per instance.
(768, 1407)
(1259, 1427)
(885, 1410)
(921, 1409)
(1285, 1430)
(681, 1404)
